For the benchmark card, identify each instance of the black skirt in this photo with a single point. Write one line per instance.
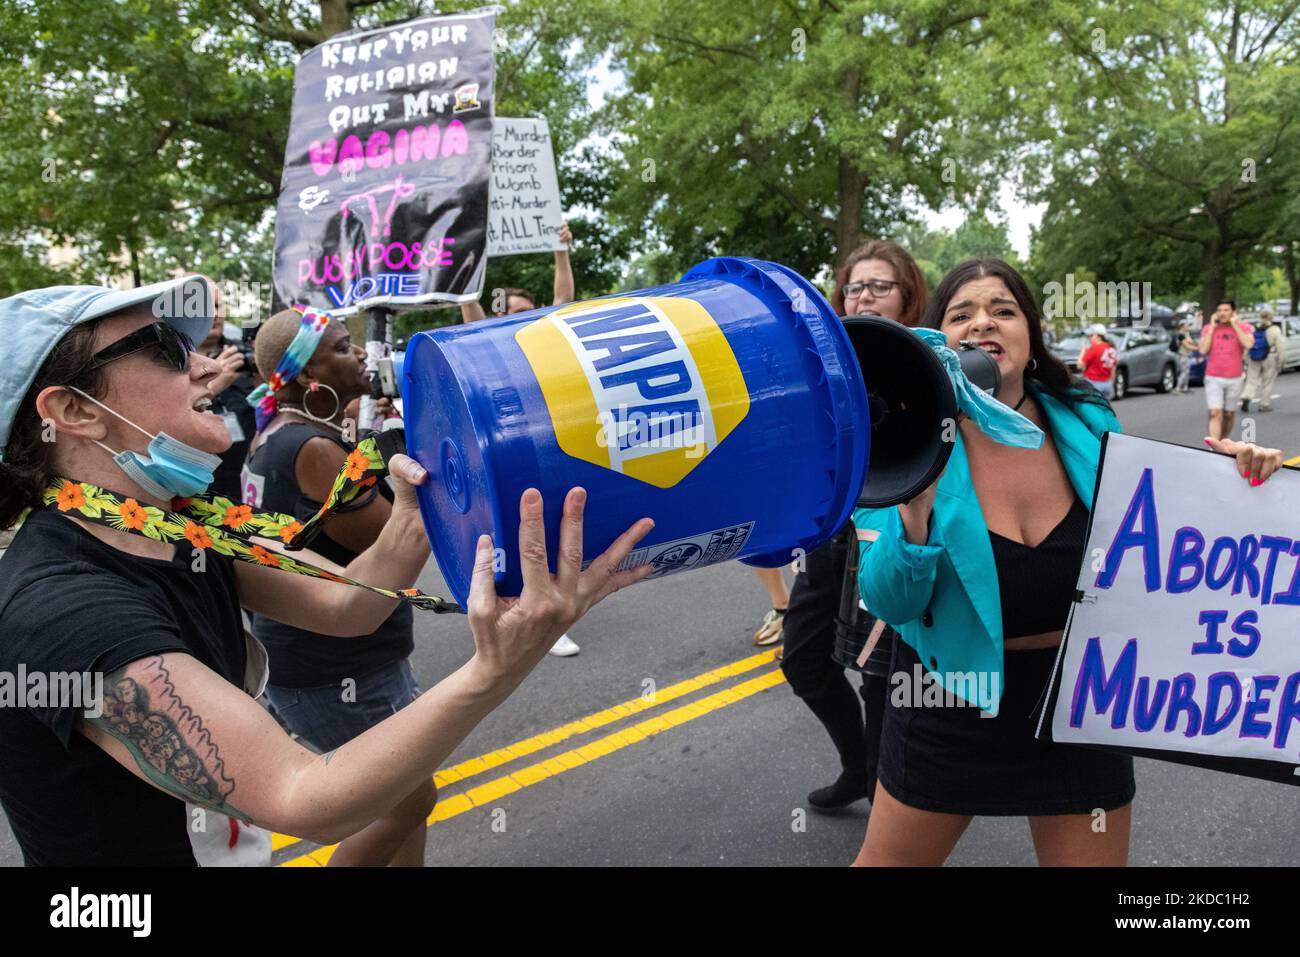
(953, 761)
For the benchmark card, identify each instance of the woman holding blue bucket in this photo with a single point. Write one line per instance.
(1023, 515)
(114, 374)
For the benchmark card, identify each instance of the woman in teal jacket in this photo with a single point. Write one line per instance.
(977, 573)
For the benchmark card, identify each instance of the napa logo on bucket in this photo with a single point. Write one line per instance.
(644, 386)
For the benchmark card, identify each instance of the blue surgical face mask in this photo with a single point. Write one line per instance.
(170, 468)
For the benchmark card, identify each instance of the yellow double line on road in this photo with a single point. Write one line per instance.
(491, 791)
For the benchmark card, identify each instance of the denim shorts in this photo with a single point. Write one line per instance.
(325, 720)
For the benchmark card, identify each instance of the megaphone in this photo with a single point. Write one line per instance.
(912, 405)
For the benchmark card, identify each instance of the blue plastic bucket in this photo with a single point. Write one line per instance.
(728, 407)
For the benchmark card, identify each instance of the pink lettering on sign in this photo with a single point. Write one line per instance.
(334, 268)
(380, 151)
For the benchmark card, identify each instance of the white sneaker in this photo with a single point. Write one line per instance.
(566, 647)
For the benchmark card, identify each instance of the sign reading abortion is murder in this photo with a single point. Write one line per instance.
(525, 209)
(1185, 643)
(384, 196)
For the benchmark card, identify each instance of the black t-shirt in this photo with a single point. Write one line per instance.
(70, 603)
(303, 659)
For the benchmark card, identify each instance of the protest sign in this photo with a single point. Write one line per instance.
(1183, 641)
(384, 196)
(525, 211)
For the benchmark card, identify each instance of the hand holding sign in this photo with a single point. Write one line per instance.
(1254, 462)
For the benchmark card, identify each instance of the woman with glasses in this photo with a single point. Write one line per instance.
(104, 429)
(878, 278)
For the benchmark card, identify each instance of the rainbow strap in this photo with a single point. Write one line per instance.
(217, 523)
(294, 360)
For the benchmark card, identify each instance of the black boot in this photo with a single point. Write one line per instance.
(848, 787)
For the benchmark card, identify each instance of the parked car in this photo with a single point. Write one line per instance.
(1144, 357)
(1160, 316)
(1291, 340)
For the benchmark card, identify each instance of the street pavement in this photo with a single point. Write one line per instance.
(671, 740)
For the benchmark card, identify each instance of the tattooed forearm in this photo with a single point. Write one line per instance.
(168, 741)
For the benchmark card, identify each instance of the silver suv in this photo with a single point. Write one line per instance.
(1144, 357)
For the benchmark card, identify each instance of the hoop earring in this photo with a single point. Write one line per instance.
(312, 388)
(1032, 367)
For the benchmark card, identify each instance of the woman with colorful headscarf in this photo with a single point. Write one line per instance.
(324, 689)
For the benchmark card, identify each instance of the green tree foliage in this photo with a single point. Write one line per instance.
(1171, 140)
(937, 251)
(148, 135)
(791, 131)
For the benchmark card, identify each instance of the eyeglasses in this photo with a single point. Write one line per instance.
(878, 287)
(172, 345)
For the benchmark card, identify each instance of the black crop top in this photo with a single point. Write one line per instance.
(1036, 585)
(300, 659)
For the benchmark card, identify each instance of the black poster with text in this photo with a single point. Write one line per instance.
(384, 196)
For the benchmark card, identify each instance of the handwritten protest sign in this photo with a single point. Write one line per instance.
(1185, 642)
(525, 210)
(384, 196)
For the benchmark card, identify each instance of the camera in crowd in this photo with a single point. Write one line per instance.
(242, 338)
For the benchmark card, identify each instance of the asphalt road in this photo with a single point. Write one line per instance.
(717, 771)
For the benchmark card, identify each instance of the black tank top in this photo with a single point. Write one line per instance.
(1036, 585)
(303, 659)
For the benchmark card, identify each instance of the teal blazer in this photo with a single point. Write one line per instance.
(942, 597)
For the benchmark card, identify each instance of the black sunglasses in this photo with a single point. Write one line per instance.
(172, 345)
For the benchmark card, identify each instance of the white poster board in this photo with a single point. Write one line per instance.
(1186, 637)
(524, 211)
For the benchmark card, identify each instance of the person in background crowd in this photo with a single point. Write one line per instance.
(1183, 346)
(521, 300)
(1014, 521)
(101, 367)
(1098, 360)
(231, 387)
(1224, 340)
(1264, 362)
(878, 278)
(291, 467)
(771, 629)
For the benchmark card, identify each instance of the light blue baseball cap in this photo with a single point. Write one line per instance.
(32, 323)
